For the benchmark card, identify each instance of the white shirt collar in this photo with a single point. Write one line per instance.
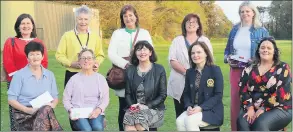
(76, 31)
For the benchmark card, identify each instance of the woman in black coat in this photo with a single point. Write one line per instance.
(145, 90)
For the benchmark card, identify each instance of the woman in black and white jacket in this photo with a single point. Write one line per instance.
(121, 45)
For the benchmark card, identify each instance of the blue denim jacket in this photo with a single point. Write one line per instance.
(256, 34)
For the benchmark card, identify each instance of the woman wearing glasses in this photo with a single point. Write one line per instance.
(178, 57)
(240, 50)
(265, 91)
(72, 42)
(87, 89)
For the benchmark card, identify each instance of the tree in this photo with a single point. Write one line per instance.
(280, 24)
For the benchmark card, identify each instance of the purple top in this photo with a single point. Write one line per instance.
(86, 91)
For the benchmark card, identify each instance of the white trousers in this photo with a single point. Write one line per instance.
(190, 123)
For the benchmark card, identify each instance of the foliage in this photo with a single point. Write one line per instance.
(280, 22)
(162, 18)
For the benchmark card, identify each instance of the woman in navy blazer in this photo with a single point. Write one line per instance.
(203, 91)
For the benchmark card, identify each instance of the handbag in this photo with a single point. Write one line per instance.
(116, 75)
(3, 71)
(238, 64)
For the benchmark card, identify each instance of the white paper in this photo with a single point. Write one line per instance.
(81, 112)
(41, 100)
(239, 58)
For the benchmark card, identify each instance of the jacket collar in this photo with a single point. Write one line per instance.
(237, 26)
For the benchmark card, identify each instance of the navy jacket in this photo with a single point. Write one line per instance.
(210, 93)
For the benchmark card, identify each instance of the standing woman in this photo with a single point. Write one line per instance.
(178, 57)
(243, 41)
(73, 41)
(121, 45)
(14, 57)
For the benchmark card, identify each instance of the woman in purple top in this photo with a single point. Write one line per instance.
(87, 89)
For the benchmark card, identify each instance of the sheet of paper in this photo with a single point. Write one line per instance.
(239, 58)
(41, 100)
(81, 112)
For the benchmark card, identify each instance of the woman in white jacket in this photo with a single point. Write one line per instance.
(121, 45)
(178, 58)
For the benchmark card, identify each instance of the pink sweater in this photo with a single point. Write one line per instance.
(86, 91)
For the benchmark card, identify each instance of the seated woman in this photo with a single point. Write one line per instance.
(26, 85)
(265, 91)
(145, 91)
(203, 91)
(87, 89)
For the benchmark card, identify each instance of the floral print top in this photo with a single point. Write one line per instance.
(271, 90)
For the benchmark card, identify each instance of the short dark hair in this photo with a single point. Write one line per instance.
(33, 46)
(18, 22)
(209, 60)
(199, 31)
(124, 10)
(139, 45)
(276, 57)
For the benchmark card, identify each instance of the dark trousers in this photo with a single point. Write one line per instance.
(179, 107)
(273, 120)
(122, 106)
(68, 75)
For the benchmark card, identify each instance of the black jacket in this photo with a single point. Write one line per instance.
(210, 93)
(154, 83)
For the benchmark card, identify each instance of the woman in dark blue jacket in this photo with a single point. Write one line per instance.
(240, 50)
(203, 91)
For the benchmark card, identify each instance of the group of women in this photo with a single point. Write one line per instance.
(260, 81)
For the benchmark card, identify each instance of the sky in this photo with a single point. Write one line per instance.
(230, 8)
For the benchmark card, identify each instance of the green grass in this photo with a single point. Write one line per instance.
(112, 109)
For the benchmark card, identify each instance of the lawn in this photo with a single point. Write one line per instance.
(112, 109)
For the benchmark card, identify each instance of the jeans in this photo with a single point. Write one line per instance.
(86, 124)
(272, 120)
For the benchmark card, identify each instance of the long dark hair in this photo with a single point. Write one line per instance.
(209, 60)
(18, 22)
(138, 46)
(124, 10)
(199, 31)
(276, 57)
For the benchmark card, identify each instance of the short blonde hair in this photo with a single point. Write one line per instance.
(256, 21)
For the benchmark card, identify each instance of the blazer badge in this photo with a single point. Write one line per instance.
(210, 83)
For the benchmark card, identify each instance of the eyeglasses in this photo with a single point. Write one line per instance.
(190, 22)
(86, 58)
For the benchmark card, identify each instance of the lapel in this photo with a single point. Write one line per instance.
(203, 79)
(192, 83)
(146, 79)
(185, 50)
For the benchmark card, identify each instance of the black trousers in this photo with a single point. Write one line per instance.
(179, 107)
(122, 106)
(68, 75)
(273, 120)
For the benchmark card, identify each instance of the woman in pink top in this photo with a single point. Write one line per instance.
(87, 89)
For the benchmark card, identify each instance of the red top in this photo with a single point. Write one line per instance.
(14, 57)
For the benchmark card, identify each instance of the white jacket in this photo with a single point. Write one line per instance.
(120, 47)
